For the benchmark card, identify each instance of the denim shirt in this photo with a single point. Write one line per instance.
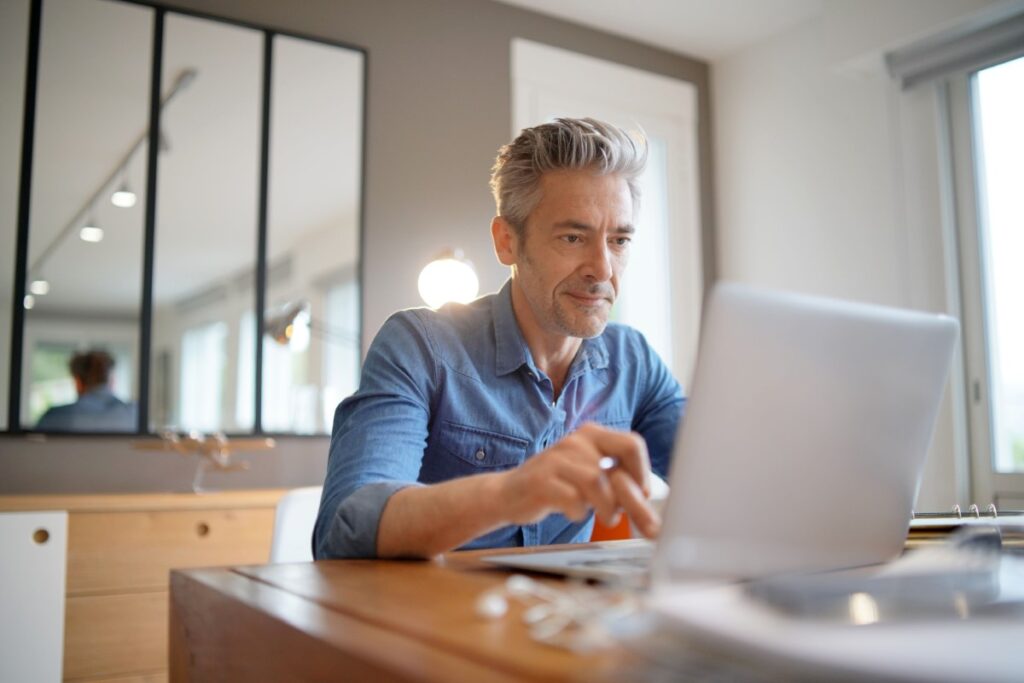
(455, 392)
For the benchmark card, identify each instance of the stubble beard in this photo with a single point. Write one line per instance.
(560, 313)
(575, 320)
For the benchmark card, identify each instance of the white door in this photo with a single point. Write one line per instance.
(663, 287)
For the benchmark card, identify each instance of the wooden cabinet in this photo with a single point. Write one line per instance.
(121, 549)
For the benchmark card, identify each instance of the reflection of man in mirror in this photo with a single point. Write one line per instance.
(97, 409)
(513, 419)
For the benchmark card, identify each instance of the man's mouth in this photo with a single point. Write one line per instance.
(589, 299)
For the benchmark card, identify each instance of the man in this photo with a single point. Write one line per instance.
(505, 421)
(97, 409)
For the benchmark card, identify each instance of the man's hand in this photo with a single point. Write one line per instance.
(568, 478)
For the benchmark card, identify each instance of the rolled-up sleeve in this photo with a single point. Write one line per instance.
(378, 439)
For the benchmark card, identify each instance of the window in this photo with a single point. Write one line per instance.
(999, 134)
(203, 355)
(963, 108)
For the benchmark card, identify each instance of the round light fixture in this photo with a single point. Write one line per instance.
(449, 277)
(39, 287)
(91, 233)
(123, 198)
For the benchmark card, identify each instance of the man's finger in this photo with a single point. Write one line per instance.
(593, 485)
(634, 502)
(567, 499)
(627, 448)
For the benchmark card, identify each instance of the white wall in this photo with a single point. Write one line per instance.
(824, 183)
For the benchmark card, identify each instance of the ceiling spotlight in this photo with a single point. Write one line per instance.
(39, 287)
(123, 198)
(90, 233)
(30, 302)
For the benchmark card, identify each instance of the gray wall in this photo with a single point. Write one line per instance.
(439, 106)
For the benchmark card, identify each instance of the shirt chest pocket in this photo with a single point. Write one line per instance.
(616, 421)
(481, 449)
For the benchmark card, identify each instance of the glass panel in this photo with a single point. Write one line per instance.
(649, 256)
(208, 186)
(203, 359)
(84, 264)
(13, 44)
(998, 115)
(313, 235)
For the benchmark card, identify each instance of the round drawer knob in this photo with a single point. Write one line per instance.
(41, 536)
(203, 529)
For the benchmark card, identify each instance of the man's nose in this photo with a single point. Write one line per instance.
(599, 262)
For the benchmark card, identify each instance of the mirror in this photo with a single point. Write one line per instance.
(84, 267)
(206, 228)
(312, 235)
(87, 246)
(14, 17)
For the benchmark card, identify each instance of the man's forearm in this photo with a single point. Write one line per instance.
(424, 521)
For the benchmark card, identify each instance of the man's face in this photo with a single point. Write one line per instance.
(573, 250)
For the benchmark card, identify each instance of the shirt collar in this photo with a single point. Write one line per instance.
(512, 352)
(97, 394)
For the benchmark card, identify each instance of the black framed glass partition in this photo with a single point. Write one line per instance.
(195, 207)
(312, 237)
(83, 271)
(206, 227)
(14, 18)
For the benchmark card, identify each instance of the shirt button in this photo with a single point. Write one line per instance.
(480, 455)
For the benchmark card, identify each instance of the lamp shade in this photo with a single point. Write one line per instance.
(289, 326)
(449, 277)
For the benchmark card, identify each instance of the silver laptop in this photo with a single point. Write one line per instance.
(801, 448)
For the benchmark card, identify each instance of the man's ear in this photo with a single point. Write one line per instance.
(506, 241)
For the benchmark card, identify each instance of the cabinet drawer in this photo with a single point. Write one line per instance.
(107, 635)
(158, 677)
(117, 551)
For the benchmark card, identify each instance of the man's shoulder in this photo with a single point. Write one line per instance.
(619, 337)
(629, 352)
(452, 318)
(443, 331)
(56, 417)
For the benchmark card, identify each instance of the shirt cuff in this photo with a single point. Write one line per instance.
(352, 532)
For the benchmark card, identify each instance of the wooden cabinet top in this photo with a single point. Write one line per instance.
(128, 502)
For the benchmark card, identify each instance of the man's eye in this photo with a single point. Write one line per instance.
(572, 239)
(622, 241)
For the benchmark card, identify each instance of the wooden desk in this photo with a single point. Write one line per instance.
(361, 620)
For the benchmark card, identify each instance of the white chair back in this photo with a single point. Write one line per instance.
(293, 525)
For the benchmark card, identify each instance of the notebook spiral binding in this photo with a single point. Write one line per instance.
(932, 528)
(973, 512)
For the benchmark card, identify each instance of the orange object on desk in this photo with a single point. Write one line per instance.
(619, 532)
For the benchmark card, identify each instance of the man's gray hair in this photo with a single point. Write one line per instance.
(564, 144)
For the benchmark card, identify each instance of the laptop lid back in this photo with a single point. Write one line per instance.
(805, 435)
